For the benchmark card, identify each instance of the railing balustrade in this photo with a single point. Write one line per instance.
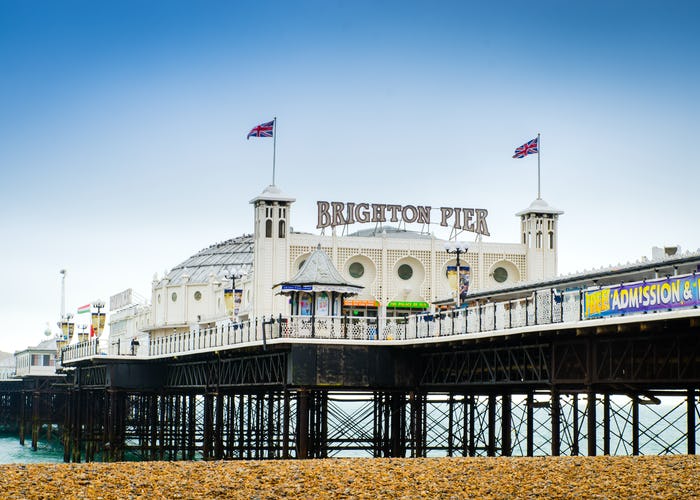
(542, 307)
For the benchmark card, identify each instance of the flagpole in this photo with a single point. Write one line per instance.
(539, 148)
(274, 147)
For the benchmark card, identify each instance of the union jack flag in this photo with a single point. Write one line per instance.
(529, 148)
(262, 130)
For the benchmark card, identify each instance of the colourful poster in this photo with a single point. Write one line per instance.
(666, 293)
(322, 304)
(463, 280)
(305, 304)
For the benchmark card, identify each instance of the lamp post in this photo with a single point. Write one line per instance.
(458, 248)
(233, 274)
(98, 304)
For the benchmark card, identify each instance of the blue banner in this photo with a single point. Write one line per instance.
(665, 293)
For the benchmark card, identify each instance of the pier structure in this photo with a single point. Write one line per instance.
(563, 367)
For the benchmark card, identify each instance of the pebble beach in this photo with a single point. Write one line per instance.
(503, 477)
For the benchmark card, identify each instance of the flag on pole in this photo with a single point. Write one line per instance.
(529, 148)
(84, 309)
(262, 130)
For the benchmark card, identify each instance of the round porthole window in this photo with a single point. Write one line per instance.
(356, 270)
(405, 272)
(197, 295)
(174, 296)
(500, 274)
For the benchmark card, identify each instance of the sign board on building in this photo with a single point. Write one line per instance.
(663, 294)
(120, 300)
(337, 213)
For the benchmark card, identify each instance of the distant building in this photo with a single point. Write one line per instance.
(39, 360)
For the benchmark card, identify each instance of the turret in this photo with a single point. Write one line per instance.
(539, 233)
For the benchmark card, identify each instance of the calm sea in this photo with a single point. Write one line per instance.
(11, 452)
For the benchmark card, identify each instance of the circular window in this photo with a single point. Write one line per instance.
(174, 296)
(500, 274)
(197, 295)
(356, 270)
(405, 272)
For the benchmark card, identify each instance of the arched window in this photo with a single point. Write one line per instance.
(268, 228)
(551, 240)
(282, 229)
(539, 240)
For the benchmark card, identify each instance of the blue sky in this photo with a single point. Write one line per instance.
(122, 127)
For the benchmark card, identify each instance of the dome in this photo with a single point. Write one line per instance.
(390, 232)
(217, 259)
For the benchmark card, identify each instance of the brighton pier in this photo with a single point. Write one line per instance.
(380, 343)
(526, 370)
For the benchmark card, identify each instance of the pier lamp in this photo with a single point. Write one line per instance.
(458, 248)
(99, 305)
(233, 274)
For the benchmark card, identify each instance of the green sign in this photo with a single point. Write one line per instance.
(408, 305)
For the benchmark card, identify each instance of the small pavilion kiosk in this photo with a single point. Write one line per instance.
(316, 297)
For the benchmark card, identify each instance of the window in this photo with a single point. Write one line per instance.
(281, 229)
(301, 264)
(500, 274)
(197, 295)
(356, 270)
(268, 228)
(551, 240)
(174, 296)
(405, 272)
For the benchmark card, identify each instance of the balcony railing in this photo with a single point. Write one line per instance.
(542, 307)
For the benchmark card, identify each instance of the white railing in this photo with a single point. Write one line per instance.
(542, 307)
(80, 350)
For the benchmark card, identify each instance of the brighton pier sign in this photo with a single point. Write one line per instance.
(336, 213)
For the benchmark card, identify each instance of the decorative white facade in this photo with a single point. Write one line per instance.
(402, 272)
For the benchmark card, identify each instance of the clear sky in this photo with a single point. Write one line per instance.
(123, 124)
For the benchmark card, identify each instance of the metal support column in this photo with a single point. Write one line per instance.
(302, 437)
(530, 438)
(606, 424)
(575, 434)
(635, 425)
(690, 401)
(592, 438)
(556, 412)
(506, 409)
(491, 448)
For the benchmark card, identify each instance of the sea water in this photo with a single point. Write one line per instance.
(11, 452)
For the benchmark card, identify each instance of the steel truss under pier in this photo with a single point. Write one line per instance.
(34, 406)
(630, 390)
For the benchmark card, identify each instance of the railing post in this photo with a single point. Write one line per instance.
(480, 323)
(551, 305)
(537, 320)
(279, 328)
(345, 326)
(510, 314)
(527, 315)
